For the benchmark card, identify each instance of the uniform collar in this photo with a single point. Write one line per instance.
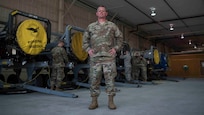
(103, 24)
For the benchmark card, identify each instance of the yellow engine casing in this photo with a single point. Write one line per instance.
(76, 45)
(31, 37)
(156, 56)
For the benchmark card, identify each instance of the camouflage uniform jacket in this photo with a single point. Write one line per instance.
(59, 57)
(127, 59)
(138, 62)
(101, 38)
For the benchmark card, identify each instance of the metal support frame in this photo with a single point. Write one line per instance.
(31, 67)
(38, 89)
(67, 36)
(48, 91)
(77, 68)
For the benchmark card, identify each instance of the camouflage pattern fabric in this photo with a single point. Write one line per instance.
(57, 76)
(95, 75)
(127, 65)
(59, 59)
(102, 38)
(139, 65)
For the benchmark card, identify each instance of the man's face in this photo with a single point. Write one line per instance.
(61, 44)
(101, 12)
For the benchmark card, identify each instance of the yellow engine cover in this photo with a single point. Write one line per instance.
(156, 56)
(31, 37)
(77, 49)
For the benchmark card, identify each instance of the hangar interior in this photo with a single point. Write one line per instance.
(168, 32)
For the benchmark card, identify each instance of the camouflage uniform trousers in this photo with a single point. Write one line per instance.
(57, 76)
(107, 68)
(128, 73)
(136, 73)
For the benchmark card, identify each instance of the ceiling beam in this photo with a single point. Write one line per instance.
(153, 22)
(160, 38)
(114, 16)
(175, 13)
(68, 8)
(145, 14)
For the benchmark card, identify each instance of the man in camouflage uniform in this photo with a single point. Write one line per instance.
(101, 40)
(127, 65)
(139, 65)
(59, 59)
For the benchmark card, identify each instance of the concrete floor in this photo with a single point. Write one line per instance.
(185, 97)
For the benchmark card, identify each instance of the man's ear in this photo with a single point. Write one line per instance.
(106, 13)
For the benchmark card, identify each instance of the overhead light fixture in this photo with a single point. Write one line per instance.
(182, 36)
(189, 42)
(153, 11)
(171, 27)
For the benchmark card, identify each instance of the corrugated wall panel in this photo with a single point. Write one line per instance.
(131, 39)
(77, 16)
(4, 14)
(44, 8)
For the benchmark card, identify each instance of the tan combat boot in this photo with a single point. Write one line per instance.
(111, 104)
(94, 103)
